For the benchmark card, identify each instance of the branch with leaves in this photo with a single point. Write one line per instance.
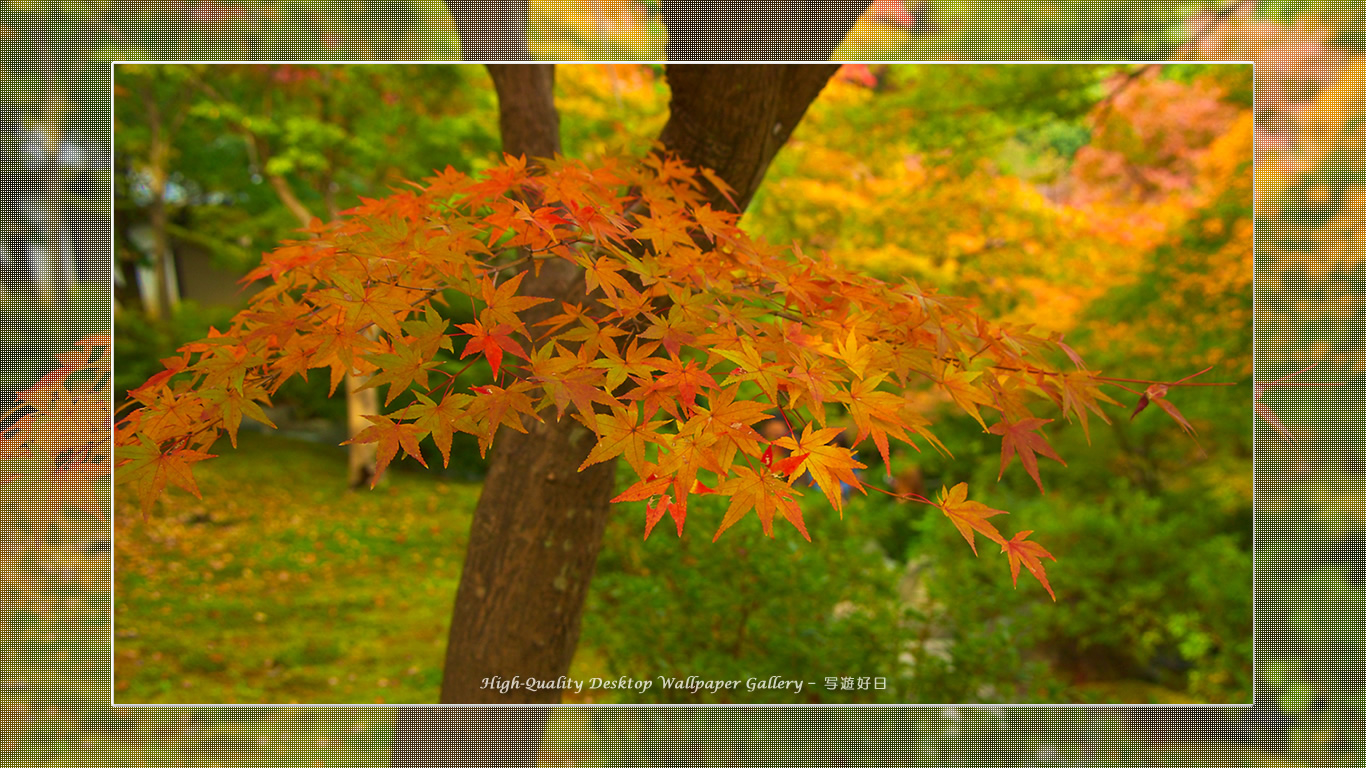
(689, 334)
(57, 433)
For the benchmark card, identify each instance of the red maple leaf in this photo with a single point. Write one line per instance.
(491, 342)
(1019, 437)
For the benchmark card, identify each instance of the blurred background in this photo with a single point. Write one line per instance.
(1112, 202)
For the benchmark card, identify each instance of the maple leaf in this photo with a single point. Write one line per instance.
(491, 342)
(428, 334)
(681, 456)
(172, 365)
(664, 229)
(732, 422)
(1079, 391)
(171, 414)
(876, 413)
(651, 485)
(233, 405)
(764, 492)
(654, 512)
(603, 274)
(857, 356)
(721, 186)
(781, 467)
(496, 406)
(594, 336)
(148, 469)
(1019, 437)
(620, 433)
(685, 379)
(750, 366)
(390, 435)
(1157, 394)
(635, 361)
(669, 332)
(829, 465)
(503, 303)
(969, 515)
(371, 302)
(1028, 552)
(399, 369)
(959, 385)
(442, 420)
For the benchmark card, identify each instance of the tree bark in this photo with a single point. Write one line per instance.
(744, 30)
(535, 536)
(157, 304)
(733, 118)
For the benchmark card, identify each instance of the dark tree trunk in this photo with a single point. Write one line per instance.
(733, 118)
(771, 30)
(535, 536)
(539, 523)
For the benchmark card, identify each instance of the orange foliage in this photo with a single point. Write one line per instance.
(703, 331)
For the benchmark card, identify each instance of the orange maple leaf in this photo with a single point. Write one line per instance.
(829, 465)
(764, 492)
(148, 469)
(391, 436)
(1027, 552)
(620, 433)
(968, 515)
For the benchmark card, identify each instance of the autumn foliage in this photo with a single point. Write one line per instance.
(688, 335)
(57, 433)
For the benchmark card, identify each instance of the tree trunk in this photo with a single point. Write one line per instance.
(361, 458)
(539, 523)
(734, 118)
(743, 30)
(535, 537)
(157, 303)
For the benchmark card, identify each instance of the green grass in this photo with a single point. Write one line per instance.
(280, 586)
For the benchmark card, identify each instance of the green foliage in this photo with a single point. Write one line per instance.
(1158, 605)
(871, 737)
